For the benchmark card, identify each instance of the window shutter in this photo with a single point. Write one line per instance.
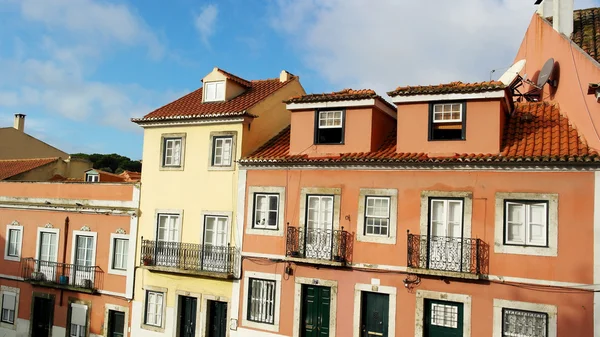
(515, 222)
(78, 314)
(537, 224)
(8, 301)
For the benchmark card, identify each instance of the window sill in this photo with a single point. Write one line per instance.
(221, 168)
(265, 232)
(9, 326)
(117, 272)
(446, 140)
(261, 326)
(12, 258)
(171, 168)
(525, 250)
(152, 328)
(384, 240)
(443, 273)
(316, 261)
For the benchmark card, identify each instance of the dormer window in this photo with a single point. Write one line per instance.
(447, 121)
(329, 127)
(92, 177)
(214, 91)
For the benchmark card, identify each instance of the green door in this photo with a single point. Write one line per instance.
(443, 319)
(374, 314)
(116, 323)
(187, 316)
(315, 311)
(217, 319)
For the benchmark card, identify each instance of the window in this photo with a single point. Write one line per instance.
(521, 323)
(168, 228)
(78, 320)
(261, 301)
(92, 178)
(266, 211)
(320, 212)
(447, 121)
(14, 242)
(526, 223)
(120, 250)
(444, 315)
(214, 91)
(377, 216)
(330, 127)
(154, 308)
(222, 150)
(48, 246)
(84, 250)
(8, 307)
(172, 152)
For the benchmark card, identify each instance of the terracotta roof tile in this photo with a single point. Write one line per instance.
(535, 132)
(234, 78)
(336, 96)
(131, 176)
(12, 167)
(448, 88)
(586, 30)
(191, 105)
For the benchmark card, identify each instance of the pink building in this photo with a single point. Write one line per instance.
(68, 260)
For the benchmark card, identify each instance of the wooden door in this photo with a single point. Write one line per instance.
(187, 316)
(443, 319)
(374, 314)
(316, 302)
(41, 324)
(217, 319)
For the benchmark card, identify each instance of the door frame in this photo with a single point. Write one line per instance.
(441, 296)
(359, 288)
(299, 281)
(114, 307)
(47, 296)
(204, 310)
(198, 298)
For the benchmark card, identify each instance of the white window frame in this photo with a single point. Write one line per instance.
(222, 161)
(170, 144)
(257, 325)
(85, 328)
(92, 177)
(164, 138)
(467, 209)
(361, 235)
(215, 86)
(212, 166)
(551, 249)
(39, 238)
(268, 196)
(111, 269)
(459, 120)
(16, 292)
(170, 212)
(499, 304)
(526, 232)
(446, 202)
(330, 116)
(422, 295)
(218, 214)
(252, 191)
(336, 192)
(14, 226)
(158, 318)
(143, 325)
(76, 234)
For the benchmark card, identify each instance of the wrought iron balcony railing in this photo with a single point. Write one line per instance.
(190, 258)
(319, 244)
(62, 275)
(442, 253)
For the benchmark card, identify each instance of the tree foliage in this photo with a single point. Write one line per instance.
(111, 162)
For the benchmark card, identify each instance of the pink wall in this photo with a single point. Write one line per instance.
(484, 123)
(112, 191)
(576, 70)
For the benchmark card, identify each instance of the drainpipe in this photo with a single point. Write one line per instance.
(64, 256)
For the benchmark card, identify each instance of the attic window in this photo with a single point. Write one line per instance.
(447, 121)
(92, 177)
(329, 127)
(214, 91)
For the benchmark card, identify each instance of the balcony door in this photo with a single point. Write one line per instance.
(318, 235)
(84, 261)
(445, 234)
(167, 241)
(47, 258)
(215, 253)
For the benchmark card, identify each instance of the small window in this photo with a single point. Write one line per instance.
(330, 127)
(154, 308)
(168, 227)
(521, 323)
(377, 216)
(444, 315)
(526, 223)
(266, 210)
(261, 301)
(447, 121)
(78, 320)
(120, 250)
(215, 91)
(14, 243)
(172, 152)
(92, 178)
(222, 150)
(8, 307)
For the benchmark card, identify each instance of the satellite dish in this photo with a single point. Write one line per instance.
(545, 73)
(512, 73)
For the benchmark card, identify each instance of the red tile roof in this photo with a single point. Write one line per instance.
(535, 132)
(131, 176)
(448, 88)
(234, 78)
(12, 167)
(336, 96)
(191, 105)
(586, 31)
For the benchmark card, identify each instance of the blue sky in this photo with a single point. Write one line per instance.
(80, 69)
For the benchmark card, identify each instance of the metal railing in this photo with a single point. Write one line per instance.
(320, 244)
(62, 275)
(190, 257)
(465, 255)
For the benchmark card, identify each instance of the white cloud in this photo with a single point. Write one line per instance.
(385, 43)
(205, 22)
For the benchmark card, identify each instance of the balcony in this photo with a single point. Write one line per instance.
(62, 275)
(188, 258)
(448, 256)
(318, 246)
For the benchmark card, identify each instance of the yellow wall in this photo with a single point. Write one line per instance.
(15, 144)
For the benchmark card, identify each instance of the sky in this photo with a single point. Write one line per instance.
(81, 69)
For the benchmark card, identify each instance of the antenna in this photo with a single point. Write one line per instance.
(545, 73)
(511, 75)
(537, 87)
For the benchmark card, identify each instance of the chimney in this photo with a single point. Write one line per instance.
(545, 8)
(285, 76)
(561, 12)
(20, 122)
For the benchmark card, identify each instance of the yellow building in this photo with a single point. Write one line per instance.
(190, 225)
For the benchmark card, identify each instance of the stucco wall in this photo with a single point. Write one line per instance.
(19, 145)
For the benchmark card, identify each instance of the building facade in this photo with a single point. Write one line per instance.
(188, 254)
(68, 266)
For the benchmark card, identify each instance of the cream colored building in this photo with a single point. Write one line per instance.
(190, 225)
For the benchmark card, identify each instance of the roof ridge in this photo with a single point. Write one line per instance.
(29, 159)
